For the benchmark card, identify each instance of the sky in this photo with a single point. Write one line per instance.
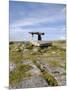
(25, 17)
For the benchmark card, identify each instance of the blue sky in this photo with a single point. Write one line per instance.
(28, 16)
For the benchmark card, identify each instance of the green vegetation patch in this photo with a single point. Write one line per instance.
(62, 54)
(19, 74)
(55, 63)
(15, 56)
(50, 79)
(47, 76)
(29, 46)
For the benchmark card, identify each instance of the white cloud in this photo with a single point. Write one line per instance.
(56, 17)
(48, 16)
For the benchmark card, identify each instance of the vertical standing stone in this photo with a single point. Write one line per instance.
(39, 37)
(37, 33)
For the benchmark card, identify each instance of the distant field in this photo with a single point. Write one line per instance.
(32, 66)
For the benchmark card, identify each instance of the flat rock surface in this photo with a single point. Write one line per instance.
(32, 82)
(59, 73)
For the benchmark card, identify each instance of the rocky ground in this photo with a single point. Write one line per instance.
(32, 66)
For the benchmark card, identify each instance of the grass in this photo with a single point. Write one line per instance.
(62, 54)
(55, 63)
(18, 74)
(30, 46)
(18, 55)
(47, 76)
(15, 56)
(50, 79)
(55, 51)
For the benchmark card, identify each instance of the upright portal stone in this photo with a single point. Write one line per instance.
(39, 37)
(37, 33)
(39, 41)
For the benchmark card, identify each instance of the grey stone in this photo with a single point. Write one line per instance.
(12, 66)
(33, 82)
